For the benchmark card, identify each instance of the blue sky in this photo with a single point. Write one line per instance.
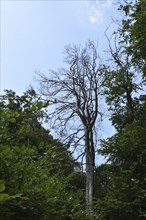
(34, 33)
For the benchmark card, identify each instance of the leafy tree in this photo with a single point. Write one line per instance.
(124, 195)
(122, 83)
(133, 31)
(33, 164)
(125, 198)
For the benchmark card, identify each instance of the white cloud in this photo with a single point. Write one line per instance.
(95, 15)
(104, 3)
(96, 9)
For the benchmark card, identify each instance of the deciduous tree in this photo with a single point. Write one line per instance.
(76, 90)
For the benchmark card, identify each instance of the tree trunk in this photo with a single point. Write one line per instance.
(89, 179)
(89, 169)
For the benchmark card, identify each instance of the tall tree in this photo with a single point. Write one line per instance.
(76, 91)
(121, 83)
(125, 96)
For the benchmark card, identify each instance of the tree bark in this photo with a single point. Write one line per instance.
(89, 167)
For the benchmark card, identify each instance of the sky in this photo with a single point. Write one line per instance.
(34, 34)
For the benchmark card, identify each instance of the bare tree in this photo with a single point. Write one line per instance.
(76, 91)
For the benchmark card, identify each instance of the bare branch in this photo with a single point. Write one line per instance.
(76, 91)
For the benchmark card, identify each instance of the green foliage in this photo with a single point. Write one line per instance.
(134, 31)
(125, 198)
(36, 168)
(3, 196)
(122, 179)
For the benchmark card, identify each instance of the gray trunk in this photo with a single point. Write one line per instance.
(89, 169)
(89, 180)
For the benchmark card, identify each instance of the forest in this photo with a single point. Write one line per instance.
(48, 178)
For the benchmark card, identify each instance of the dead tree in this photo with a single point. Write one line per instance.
(76, 91)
